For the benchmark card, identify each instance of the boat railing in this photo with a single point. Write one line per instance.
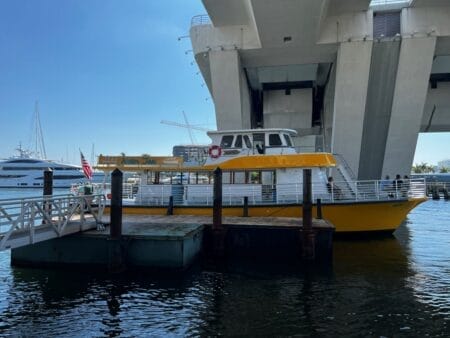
(129, 190)
(260, 194)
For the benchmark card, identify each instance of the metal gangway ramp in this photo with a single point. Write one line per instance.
(24, 221)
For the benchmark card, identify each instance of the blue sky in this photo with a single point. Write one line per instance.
(106, 72)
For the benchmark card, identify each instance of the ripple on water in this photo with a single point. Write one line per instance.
(381, 287)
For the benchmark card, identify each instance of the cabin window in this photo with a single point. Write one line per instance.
(258, 141)
(255, 177)
(288, 140)
(238, 142)
(247, 141)
(227, 141)
(239, 177)
(275, 140)
(165, 178)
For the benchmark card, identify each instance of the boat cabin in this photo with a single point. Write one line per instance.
(227, 144)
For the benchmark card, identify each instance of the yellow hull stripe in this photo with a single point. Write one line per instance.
(354, 217)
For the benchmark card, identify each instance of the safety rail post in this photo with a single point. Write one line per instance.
(218, 231)
(319, 208)
(308, 237)
(116, 261)
(170, 206)
(48, 192)
(245, 211)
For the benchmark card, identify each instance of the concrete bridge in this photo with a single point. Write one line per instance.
(358, 78)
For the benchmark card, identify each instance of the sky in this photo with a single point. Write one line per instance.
(105, 73)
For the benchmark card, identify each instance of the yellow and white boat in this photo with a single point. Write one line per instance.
(262, 165)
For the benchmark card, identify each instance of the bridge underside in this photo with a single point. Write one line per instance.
(352, 79)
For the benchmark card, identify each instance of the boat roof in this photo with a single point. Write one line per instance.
(260, 162)
(252, 131)
(251, 162)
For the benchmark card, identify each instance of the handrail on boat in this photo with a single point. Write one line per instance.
(260, 194)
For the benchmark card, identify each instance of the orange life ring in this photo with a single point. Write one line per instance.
(215, 151)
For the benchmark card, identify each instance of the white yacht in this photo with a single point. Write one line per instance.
(25, 171)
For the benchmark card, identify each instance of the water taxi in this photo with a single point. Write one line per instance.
(262, 165)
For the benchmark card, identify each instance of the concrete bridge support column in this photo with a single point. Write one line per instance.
(232, 101)
(352, 78)
(411, 87)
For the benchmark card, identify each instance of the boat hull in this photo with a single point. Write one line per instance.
(346, 217)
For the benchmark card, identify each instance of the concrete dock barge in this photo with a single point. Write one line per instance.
(174, 242)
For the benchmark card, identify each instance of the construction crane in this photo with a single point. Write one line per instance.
(186, 125)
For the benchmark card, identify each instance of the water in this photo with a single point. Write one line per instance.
(397, 286)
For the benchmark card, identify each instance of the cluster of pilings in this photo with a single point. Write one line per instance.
(307, 232)
(436, 193)
(304, 236)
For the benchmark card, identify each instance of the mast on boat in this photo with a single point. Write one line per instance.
(39, 145)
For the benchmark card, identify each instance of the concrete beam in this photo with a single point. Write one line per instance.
(352, 77)
(436, 114)
(417, 22)
(229, 90)
(349, 26)
(411, 86)
(227, 13)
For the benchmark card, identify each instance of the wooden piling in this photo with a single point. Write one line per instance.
(48, 182)
(48, 191)
(307, 199)
(116, 262)
(115, 230)
(435, 193)
(218, 231)
(217, 199)
(308, 235)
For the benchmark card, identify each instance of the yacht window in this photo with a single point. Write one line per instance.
(275, 140)
(288, 140)
(23, 161)
(238, 142)
(227, 141)
(247, 141)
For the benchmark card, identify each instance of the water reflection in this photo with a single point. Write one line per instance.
(396, 286)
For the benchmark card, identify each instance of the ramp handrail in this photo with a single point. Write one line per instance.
(25, 216)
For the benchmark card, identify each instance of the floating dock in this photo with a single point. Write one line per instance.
(174, 242)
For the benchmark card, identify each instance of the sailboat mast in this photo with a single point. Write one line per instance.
(39, 136)
(92, 155)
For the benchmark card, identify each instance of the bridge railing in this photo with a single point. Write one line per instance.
(202, 19)
(26, 217)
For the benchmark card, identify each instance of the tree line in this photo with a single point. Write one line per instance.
(425, 168)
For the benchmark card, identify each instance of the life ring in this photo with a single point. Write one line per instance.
(215, 151)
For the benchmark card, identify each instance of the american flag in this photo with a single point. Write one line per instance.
(87, 170)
